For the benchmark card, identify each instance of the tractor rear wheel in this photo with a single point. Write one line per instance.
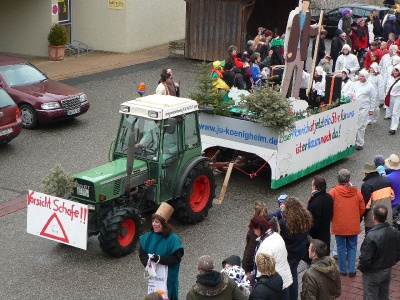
(197, 195)
(120, 231)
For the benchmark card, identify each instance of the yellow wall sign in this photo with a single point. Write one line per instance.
(116, 4)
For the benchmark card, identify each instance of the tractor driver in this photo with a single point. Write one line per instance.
(151, 138)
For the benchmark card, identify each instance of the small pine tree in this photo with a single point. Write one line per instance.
(269, 108)
(207, 95)
(58, 183)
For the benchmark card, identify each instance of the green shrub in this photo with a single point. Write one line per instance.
(269, 108)
(207, 96)
(57, 35)
(58, 183)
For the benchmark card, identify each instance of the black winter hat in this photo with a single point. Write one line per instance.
(233, 260)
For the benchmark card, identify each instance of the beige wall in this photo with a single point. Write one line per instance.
(24, 26)
(142, 24)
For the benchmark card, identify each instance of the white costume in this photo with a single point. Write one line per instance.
(386, 61)
(365, 94)
(320, 85)
(378, 83)
(275, 245)
(348, 86)
(394, 106)
(371, 35)
(348, 61)
(162, 89)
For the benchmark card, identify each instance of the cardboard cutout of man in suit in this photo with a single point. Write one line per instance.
(298, 31)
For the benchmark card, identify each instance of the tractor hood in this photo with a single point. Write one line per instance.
(109, 170)
(108, 179)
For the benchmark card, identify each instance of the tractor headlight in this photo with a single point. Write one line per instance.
(153, 114)
(124, 109)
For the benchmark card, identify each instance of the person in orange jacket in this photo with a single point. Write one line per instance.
(348, 209)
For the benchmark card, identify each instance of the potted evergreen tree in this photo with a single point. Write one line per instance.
(57, 40)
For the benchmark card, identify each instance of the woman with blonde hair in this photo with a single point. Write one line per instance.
(260, 210)
(269, 284)
(295, 225)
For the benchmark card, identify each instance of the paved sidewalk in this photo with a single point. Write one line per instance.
(95, 62)
(74, 66)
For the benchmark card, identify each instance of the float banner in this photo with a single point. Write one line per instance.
(57, 219)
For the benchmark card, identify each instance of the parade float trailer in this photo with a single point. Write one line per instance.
(315, 142)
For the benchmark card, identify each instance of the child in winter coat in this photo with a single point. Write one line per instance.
(231, 266)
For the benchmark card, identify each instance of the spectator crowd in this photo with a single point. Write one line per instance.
(277, 241)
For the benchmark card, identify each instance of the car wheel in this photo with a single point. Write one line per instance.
(28, 116)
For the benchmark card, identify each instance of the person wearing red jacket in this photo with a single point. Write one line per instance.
(363, 40)
(373, 55)
(348, 208)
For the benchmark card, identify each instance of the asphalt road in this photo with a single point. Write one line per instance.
(36, 268)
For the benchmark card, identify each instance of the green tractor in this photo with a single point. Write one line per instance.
(158, 148)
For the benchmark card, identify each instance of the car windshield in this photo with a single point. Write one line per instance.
(22, 74)
(147, 136)
(5, 100)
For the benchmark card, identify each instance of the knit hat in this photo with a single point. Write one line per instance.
(346, 46)
(205, 263)
(393, 162)
(375, 67)
(397, 67)
(392, 17)
(379, 160)
(319, 70)
(369, 168)
(345, 70)
(365, 73)
(393, 48)
(233, 260)
(345, 11)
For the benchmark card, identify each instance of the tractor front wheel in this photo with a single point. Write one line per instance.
(120, 231)
(197, 196)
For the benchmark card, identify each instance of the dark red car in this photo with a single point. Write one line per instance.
(39, 98)
(10, 121)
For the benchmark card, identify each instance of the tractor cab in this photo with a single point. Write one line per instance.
(164, 133)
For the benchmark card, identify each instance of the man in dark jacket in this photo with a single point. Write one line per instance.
(322, 280)
(211, 284)
(375, 190)
(376, 22)
(320, 206)
(321, 48)
(380, 250)
(336, 47)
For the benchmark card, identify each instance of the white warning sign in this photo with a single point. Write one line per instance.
(57, 219)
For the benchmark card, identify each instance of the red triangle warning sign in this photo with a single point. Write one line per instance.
(53, 229)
